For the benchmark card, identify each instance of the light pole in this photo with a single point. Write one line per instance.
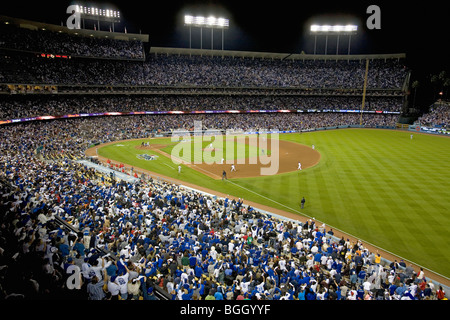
(201, 22)
(98, 14)
(338, 30)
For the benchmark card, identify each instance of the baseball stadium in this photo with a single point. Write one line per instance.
(130, 171)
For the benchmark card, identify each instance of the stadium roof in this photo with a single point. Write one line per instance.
(33, 25)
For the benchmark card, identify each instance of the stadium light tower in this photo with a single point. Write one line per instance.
(337, 30)
(98, 14)
(201, 22)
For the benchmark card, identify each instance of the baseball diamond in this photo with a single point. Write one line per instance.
(363, 181)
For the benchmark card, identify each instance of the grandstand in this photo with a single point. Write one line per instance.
(438, 115)
(64, 92)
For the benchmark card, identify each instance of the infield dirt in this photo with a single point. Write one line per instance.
(290, 154)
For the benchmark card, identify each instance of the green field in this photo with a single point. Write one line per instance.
(241, 149)
(378, 185)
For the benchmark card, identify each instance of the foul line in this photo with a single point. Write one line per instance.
(198, 168)
(268, 198)
(169, 166)
(260, 195)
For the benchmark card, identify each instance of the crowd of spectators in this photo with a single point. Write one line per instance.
(52, 42)
(227, 71)
(23, 106)
(203, 71)
(192, 246)
(439, 114)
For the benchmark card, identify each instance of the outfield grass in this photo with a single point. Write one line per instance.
(378, 185)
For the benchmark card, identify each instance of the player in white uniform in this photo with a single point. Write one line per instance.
(299, 166)
(233, 168)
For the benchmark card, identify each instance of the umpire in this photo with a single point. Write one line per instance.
(303, 202)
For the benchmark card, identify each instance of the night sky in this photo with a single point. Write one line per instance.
(417, 28)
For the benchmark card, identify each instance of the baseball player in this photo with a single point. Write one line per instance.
(233, 168)
(299, 166)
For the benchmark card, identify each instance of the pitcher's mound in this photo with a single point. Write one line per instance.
(290, 154)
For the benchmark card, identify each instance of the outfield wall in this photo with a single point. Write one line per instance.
(432, 130)
(220, 131)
